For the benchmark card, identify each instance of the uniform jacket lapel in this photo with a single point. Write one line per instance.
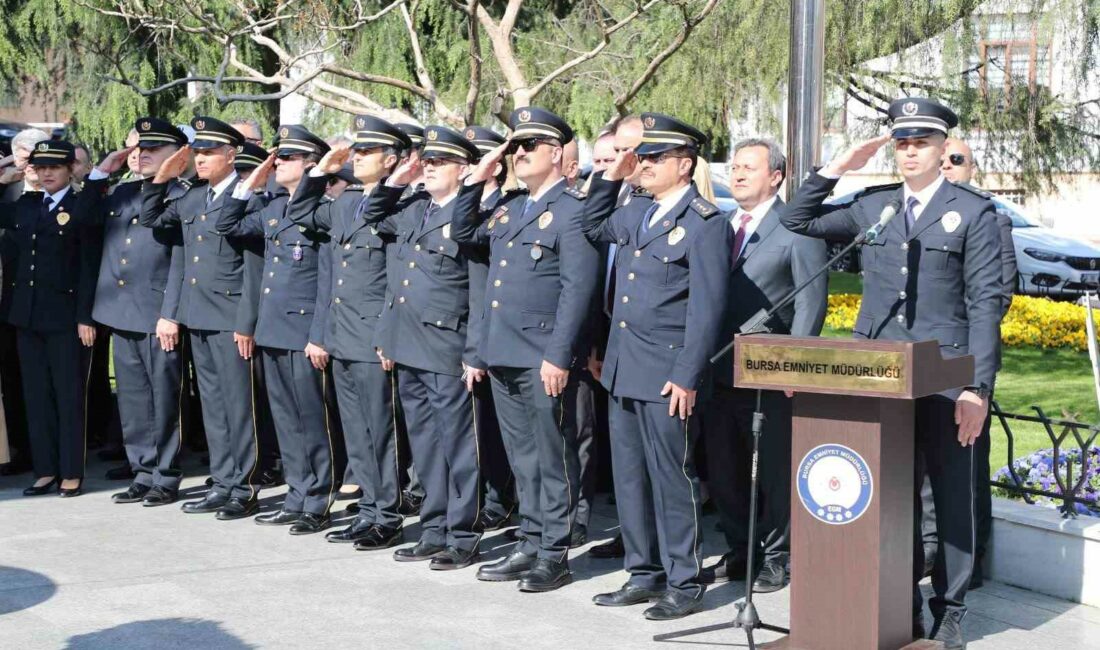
(668, 221)
(934, 211)
(519, 222)
(767, 225)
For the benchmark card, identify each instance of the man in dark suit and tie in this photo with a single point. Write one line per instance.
(769, 262)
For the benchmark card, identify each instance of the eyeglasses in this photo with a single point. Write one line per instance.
(289, 156)
(530, 144)
(957, 159)
(438, 162)
(658, 158)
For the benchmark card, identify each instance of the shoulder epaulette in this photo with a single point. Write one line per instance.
(705, 208)
(576, 193)
(977, 191)
(358, 187)
(878, 188)
(641, 191)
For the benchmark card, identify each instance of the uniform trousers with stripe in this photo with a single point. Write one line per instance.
(657, 495)
(150, 390)
(296, 392)
(227, 391)
(950, 468)
(55, 367)
(365, 393)
(440, 416)
(540, 436)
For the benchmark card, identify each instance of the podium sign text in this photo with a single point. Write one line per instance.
(800, 367)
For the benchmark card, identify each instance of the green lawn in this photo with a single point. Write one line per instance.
(1058, 381)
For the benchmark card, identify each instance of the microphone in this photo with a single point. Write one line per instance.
(888, 212)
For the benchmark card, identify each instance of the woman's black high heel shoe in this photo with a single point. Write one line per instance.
(72, 492)
(33, 491)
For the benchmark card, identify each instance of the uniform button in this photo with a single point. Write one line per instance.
(195, 259)
(277, 242)
(202, 218)
(622, 324)
(32, 267)
(510, 244)
(439, 323)
(337, 301)
(496, 283)
(417, 247)
(271, 274)
(441, 249)
(945, 247)
(134, 220)
(122, 283)
(34, 237)
(199, 238)
(31, 283)
(905, 270)
(301, 311)
(665, 260)
(127, 241)
(901, 318)
(412, 265)
(495, 304)
(344, 264)
(905, 246)
(901, 294)
(347, 247)
(626, 299)
(275, 259)
(637, 253)
(340, 282)
(630, 276)
(267, 289)
(504, 262)
(404, 283)
(193, 280)
(33, 252)
(123, 261)
(401, 300)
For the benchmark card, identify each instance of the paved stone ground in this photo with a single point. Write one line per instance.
(86, 573)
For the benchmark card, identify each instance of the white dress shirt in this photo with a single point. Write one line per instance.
(758, 213)
(923, 196)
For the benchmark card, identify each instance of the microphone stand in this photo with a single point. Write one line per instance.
(748, 619)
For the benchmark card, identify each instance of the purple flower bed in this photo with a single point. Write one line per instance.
(1037, 472)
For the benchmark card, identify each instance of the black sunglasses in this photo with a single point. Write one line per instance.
(529, 144)
(957, 159)
(289, 156)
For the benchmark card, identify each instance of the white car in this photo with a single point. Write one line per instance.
(1049, 264)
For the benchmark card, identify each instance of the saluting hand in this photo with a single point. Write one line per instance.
(174, 165)
(626, 161)
(258, 178)
(487, 165)
(114, 161)
(334, 159)
(407, 171)
(970, 412)
(855, 157)
(681, 400)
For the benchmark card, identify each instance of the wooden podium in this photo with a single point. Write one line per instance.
(852, 479)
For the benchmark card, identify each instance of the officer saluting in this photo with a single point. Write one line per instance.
(293, 310)
(933, 273)
(542, 276)
(218, 306)
(140, 273)
(672, 271)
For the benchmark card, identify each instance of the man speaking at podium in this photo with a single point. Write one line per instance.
(932, 273)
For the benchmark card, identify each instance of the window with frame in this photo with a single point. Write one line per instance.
(1009, 54)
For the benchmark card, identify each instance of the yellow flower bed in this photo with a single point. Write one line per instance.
(1034, 322)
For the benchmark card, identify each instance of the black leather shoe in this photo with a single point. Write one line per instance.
(948, 630)
(121, 473)
(33, 491)
(918, 627)
(421, 552)
(133, 494)
(238, 508)
(278, 518)
(356, 531)
(513, 567)
(212, 502)
(673, 605)
(65, 493)
(629, 594)
(309, 524)
(772, 577)
(381, 537)
(730, 567)
(410, 504)
(579, 537)
(609, 550)
(488, 521)
(159, 496)
(546, 575)
(352, 508)
(270, 478)
(209, 481)
(454, 558)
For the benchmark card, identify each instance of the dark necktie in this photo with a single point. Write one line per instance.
(739, 236)
(432, 209)
(209, 197)
(910, 215)
(649, 215)
(47, 202)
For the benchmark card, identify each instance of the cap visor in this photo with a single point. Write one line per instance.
(647, 148)
(199, 145)
(915, 132)
(155, 144)
(432, 154)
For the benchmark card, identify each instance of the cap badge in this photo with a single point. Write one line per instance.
(470, 134)
(676, 236)
(145, 126)
(910, 108)
(240, 148)
(360, 123)
(649, 122)
(200, 124)
(525, 116)
(432, 135)
(43, 146)
(284, 132)
(951, 221)
(545, 220)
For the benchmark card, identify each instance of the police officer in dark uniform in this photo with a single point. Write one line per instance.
(366, 392)
(933, 274)
(432, 338)
(673, 259)
(218, 304)
(54, 232)
(293, 311)
(137, 296)
(498, 480)
(249, 157)
(542, 276)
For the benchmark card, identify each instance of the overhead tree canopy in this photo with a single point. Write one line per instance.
(466, 61)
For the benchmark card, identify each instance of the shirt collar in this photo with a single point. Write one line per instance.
(542, 192)
(760, 211)
(671, 200)
(225, 183)
(925, 195)
(445, 200)
(56, 198)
